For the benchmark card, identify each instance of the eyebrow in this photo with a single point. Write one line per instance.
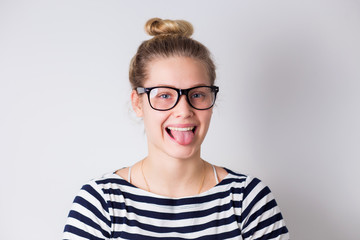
(196, 85)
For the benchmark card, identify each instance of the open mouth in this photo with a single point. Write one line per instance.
(181, 135)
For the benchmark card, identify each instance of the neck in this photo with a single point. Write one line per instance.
(173, 177)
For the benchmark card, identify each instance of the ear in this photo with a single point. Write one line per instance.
(136, 103)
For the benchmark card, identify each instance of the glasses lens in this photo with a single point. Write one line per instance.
(202, 97)
(163, 98)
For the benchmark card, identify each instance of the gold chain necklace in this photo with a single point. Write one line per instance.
(147, 184)
(142, 171)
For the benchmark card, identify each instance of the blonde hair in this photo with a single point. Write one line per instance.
(171, 38)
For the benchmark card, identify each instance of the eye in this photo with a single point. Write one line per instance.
(165, 96)
(198, 95)
(162, 93)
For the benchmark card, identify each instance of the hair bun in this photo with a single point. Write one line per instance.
(158, 27)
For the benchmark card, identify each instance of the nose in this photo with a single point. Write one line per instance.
(183, 108)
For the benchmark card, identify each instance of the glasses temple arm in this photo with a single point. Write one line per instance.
(140, 90)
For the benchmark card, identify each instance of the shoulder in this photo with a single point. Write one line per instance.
(229, 176)
(92, 205)
(103, 185)
(257, 206)
(246, 183)
(123, 173)
(108, 179)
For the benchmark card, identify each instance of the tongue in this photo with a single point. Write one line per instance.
(182, 137)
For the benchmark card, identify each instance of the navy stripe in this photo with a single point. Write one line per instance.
(228, 180)
(97, 195)
(175, 202)
(265, 191)
(81, 233)
(88, 221)
(266, 207)
(249, 188)
(221, 236)
(116, 180)
(234, 173)
(92, 209)
(274, 234)
(263, 224)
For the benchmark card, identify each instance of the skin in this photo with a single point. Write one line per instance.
(172, 169)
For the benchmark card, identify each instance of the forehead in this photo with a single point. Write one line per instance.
(179, 72)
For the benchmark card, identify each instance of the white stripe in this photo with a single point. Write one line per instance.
(175, 223)
(191, 235)
(68, 235)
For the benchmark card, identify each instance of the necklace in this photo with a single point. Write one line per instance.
(142, 171)
(203, 178)
(148, 186)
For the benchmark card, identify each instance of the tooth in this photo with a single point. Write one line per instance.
(181, 129)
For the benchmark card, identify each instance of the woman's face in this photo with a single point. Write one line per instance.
(178, 132)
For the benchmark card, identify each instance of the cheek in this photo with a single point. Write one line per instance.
(206, 117)
(153, 121)
(205, 121)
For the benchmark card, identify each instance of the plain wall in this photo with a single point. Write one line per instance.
(288, 108)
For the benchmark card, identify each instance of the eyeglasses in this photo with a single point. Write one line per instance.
(166, 98)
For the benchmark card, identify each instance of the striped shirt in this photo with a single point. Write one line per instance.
(239, 207)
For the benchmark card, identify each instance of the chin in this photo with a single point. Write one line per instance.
(181, 152)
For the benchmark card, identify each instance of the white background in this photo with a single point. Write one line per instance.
(288, 108)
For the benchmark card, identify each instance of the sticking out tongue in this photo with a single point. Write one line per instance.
(182, 137)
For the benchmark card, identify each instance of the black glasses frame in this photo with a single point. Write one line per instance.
(141, 90)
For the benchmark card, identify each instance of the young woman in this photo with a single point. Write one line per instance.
(173, 193)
